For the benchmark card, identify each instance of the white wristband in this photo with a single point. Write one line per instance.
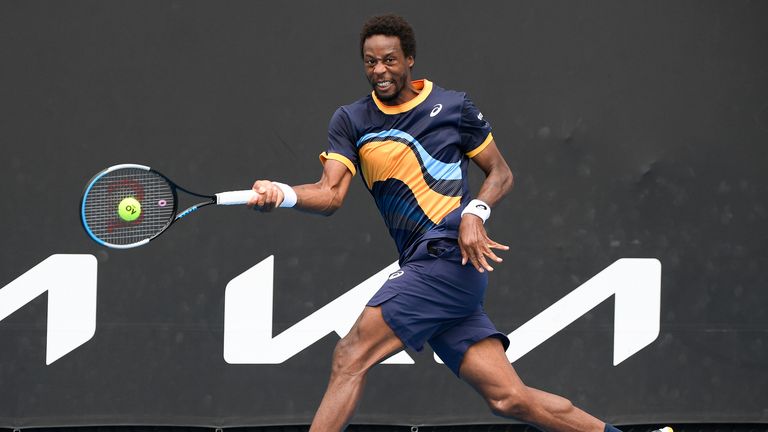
(477, 208)
(289, 195)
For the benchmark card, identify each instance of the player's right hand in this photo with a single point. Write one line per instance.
(267, 196)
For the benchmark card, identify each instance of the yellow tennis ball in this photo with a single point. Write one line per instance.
(129, 209)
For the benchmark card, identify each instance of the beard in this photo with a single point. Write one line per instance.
(385, 97)
(398, 85)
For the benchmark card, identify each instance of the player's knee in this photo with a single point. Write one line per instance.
(347, 359)
(561, 405)
(512, 404)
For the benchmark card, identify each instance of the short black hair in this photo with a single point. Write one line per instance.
(390, 25)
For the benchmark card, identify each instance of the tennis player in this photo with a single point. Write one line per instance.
(411, 142)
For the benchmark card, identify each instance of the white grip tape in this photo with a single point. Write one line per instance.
(234, 197)
(478, 208)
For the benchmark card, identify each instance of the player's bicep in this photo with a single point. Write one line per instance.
(336, 177)
(498, 177)
(490, 158)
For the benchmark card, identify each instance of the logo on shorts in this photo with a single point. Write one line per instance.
(396, 274)
(436, 110)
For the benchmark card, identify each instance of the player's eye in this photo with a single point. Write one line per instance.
(389, 60)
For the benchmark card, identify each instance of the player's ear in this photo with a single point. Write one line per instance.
(410, 61)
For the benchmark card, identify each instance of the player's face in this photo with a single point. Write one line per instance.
(388, 69)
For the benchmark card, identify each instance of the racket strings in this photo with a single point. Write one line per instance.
(101, 206)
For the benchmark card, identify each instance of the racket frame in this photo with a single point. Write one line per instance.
(209, 199)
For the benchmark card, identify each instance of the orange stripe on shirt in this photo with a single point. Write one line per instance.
(384, 160)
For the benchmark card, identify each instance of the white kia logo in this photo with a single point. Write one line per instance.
(436, 110)
(396, 274)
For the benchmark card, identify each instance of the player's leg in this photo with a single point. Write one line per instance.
(368, 342)
(486, 368)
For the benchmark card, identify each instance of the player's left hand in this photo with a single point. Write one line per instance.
(268, 196)
(475, 245)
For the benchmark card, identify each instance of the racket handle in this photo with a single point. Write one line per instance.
(234, 197)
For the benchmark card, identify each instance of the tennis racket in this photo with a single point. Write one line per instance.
(128, 205)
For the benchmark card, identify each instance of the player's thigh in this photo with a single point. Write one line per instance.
(370, 339)
(487, 369)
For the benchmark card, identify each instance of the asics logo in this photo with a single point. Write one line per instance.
(436, 110)
(396, 274)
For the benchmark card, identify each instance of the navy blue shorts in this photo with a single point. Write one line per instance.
(433, 298)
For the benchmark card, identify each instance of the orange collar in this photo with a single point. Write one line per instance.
(423, 85)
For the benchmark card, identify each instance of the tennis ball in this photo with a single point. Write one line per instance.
(129, 209)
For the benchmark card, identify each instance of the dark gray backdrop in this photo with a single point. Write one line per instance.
(635, 129)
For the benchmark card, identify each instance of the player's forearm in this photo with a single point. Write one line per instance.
(318, 198)
(499, 182)
(323, 197)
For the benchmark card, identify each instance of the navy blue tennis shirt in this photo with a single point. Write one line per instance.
(413, 158)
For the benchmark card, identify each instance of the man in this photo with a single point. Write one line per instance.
(411, 142)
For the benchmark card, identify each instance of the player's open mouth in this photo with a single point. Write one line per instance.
(383, 85)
